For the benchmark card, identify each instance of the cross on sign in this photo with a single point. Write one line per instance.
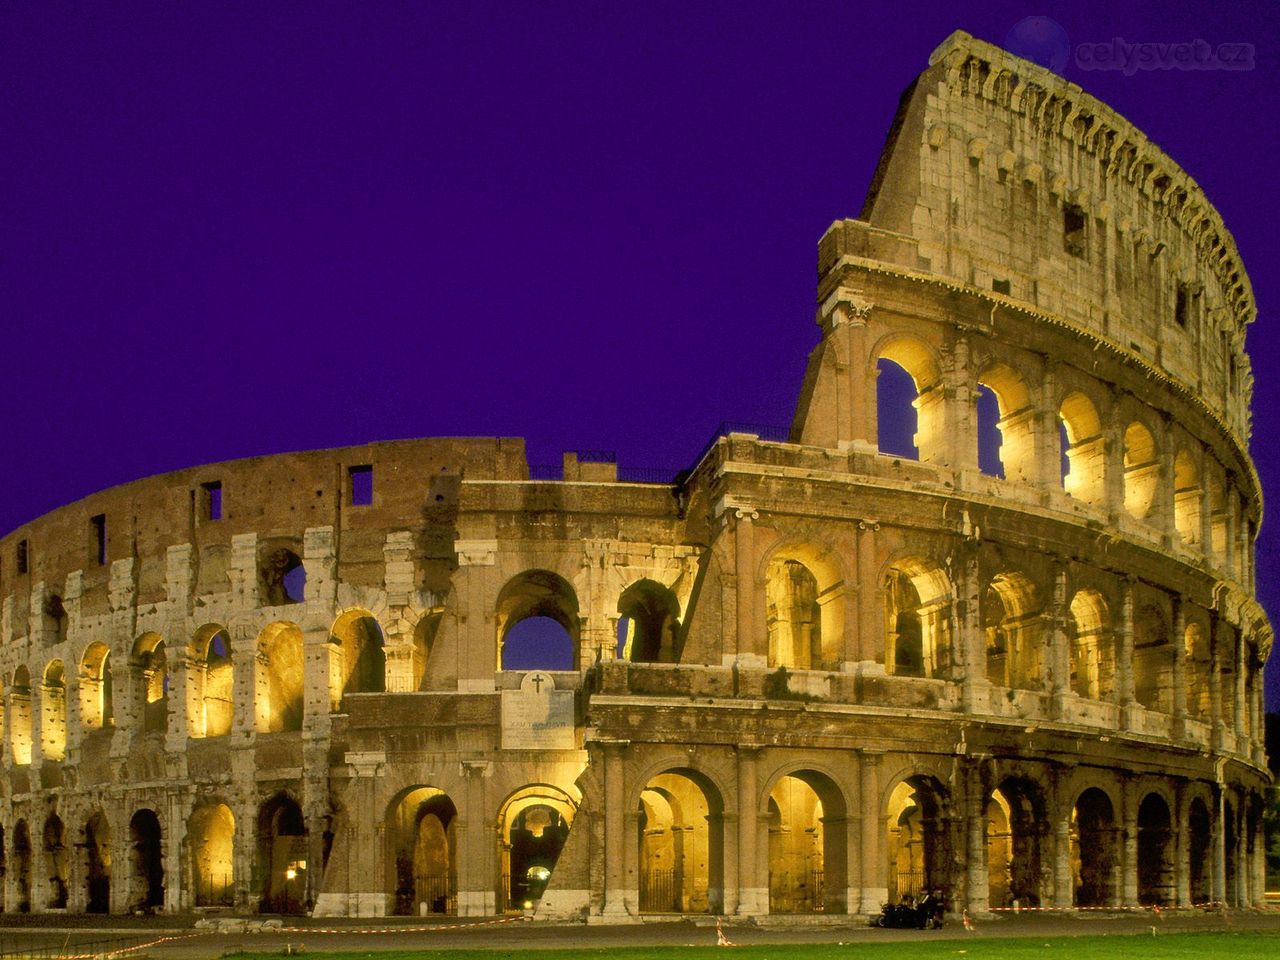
(538, 680)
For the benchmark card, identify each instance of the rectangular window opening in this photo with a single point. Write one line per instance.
(24, 557)
(1180, 305)
(1000, 286)
(98, 543)
(211, 500)
(361, 485)
(1073, 223)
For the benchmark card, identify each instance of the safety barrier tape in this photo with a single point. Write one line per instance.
(1155, 910)
(425, 928)
(123, 951)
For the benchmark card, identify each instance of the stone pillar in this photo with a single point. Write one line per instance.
(1064, 894)
(243, 844)
(753, 894)
(477, 845)
(975, 688)
(1124, 657)
(1220, 846)
(1206, 517)
(1240, 696)
(977, 892)
(1178, 676)
(960, 409)
(752, 646)
(1129, 838)
(843, 318)
(1113, 481)
(366, 849)
(614, 820)
(875, 890)
(1182, 845)
(870, 613)
(1059, 672)
(1229, 546)
(1221, 642)
(476, 594)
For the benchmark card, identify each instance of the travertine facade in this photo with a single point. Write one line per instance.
(806, 676)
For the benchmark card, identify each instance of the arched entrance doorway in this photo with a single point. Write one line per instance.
(807, 843)
(1015, 815)
(533, 826)
(55, 853)
(146, 862)
(917, 851)
(680, 845)
(210, 833)
(422, 866)
(22, 863)
(282, 856)
(1155, 852)
(97, 856)
(1093, 849)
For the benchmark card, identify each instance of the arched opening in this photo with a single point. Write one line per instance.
(1013, 626)
(146, 862)
(55, 861)
(1092, 646)
(53, 712)
(1015, 821)
(1156, 883)
(1084, 449)
(680, 843)
(424, 639)
(151, 679)
(1218, 519)
(804, 609)
(538, 627)
(422, 863)
(909, 404)
(918, 598)
(1198, 666)
(22, 864)
(211, 673)
(1200, 846)
(282, 856)
(1093, 850)
(649, 623)
(97, 858)
(1187, 498)
(278, 678)
(210, 839)
(358, 636)
(20, 716)
(1141, 470)
(534, 824)
(95, 684)
(807, 844)
(917, 851)
(1006, 425)
(1152, 660)
(281, 577)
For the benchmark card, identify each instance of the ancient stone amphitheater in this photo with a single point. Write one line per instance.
(806, 675)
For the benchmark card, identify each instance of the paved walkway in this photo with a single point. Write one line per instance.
(366, 936)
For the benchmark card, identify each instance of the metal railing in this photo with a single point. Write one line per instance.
(659, 892)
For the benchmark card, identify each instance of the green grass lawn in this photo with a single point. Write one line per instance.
(1173, 946)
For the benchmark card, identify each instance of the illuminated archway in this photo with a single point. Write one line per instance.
(1092, 646)
(282, 856)
(359, 638)
(53, 712)
(151, 680)
(1093, 850)
(422, 869)
(212, 676)
(918, 600)
(210, 839)
(1141, 470)
(899, 403)
(1012, 622)
(807, 844)
(1015, 423)
(20, 716)
(278, 678)
(538, 626)
(1015, 826)
(918, 849)
(680, 844)
(649, 623)
(533, 825)
(1084, 449)
(1187, 499)
(95, 684)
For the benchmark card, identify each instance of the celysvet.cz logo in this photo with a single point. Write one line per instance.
(1128, 58)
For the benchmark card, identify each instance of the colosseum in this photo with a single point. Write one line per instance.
(805, 675)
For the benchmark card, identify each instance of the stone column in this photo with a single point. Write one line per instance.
(614, 820)
(977, 892)
(477, 560)
(1182, 845)
(752, 647)
(1124, 657)
(476, 845)
(1221, 642)
(1113, 480)
(875, 890)
(1239, 722)
(960, 408)
(870, 613)
(1129, 838)
(1064, 894)
(1059, 643)
(1220, 847)
(975, 689)
(753, 895)
(1179, 670)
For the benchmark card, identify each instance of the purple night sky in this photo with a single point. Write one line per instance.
(240, 228)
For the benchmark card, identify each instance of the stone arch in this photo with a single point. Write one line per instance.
(22, 855)
(1156, 882)
(150, 674)
(807, 816)
(1012, 622)
(56, 857)
(53, 712)
(804, 606)
(421, 864)
(649, 623)
(146, 861)
(1083, 448)
(212, 679)
(918, 850)
(360, 643)
(533, 825)
(97, 863)
(1187, 499)
(1218, 517)
(1016, 421)
(1094, 854)
(914, 357)
(211, 832)
(1198, 666)
(20, 715)
(1141, 470)
(1016, 820)
(681, 843)
(1092, 646)
(282, 577)
(542, 608)
(918, 599)
(425, 630)
(1200, 851)
(282, 855)
(1152, 659)
(96, 687)
(278, 678)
